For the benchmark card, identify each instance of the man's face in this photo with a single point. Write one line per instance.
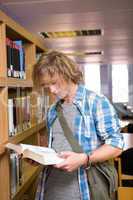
(56, 85)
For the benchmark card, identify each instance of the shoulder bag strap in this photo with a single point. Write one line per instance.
(67, 131)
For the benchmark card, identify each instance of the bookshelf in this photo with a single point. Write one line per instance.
(31, 47)
(11, 82)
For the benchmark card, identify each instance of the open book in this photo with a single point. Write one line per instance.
(42, 155)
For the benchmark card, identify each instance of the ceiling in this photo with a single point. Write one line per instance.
(114, 17)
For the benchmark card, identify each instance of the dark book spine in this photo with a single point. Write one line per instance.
(9, 54)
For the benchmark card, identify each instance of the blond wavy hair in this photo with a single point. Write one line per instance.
(54, 62)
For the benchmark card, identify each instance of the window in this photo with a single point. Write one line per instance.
(120, 83)
(92, 77)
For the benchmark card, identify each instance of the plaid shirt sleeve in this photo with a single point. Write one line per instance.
(107, 123)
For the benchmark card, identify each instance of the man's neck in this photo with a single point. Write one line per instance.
(71, 93)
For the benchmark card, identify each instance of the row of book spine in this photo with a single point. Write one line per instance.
(19, 112)
(42, 107)
(15, 59)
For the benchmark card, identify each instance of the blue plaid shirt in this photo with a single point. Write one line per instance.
(96, 124)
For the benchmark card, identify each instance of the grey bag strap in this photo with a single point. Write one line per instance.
(67, 131)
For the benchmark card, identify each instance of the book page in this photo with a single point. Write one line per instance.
(37, 149)
(17, 148)
(44, 158)
(42, 155)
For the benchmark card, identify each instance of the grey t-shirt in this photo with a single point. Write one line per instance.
(61, 185)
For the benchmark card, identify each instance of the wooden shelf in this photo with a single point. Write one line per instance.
(14, 82)
(30, 174)
(27, 133)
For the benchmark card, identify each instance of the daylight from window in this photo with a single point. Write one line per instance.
(92, 77)
(120, 83)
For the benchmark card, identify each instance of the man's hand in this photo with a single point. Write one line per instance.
(72, 161)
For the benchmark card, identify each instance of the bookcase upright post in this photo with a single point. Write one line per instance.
(30, 59)
(3, 63)
(4, 178)
(3, 115)
(4, 161)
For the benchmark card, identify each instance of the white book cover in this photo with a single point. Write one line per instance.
(42, 155)
(10, 117)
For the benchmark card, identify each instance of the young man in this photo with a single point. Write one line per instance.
(92, 120)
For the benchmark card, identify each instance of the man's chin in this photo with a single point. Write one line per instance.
(62, 97)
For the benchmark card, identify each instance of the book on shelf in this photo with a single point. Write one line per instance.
(20, 110)
(19, 114)
(9, 54)
(42, 155)
(15, 171)
(42, 107)
(21, 59)
(15, 58)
